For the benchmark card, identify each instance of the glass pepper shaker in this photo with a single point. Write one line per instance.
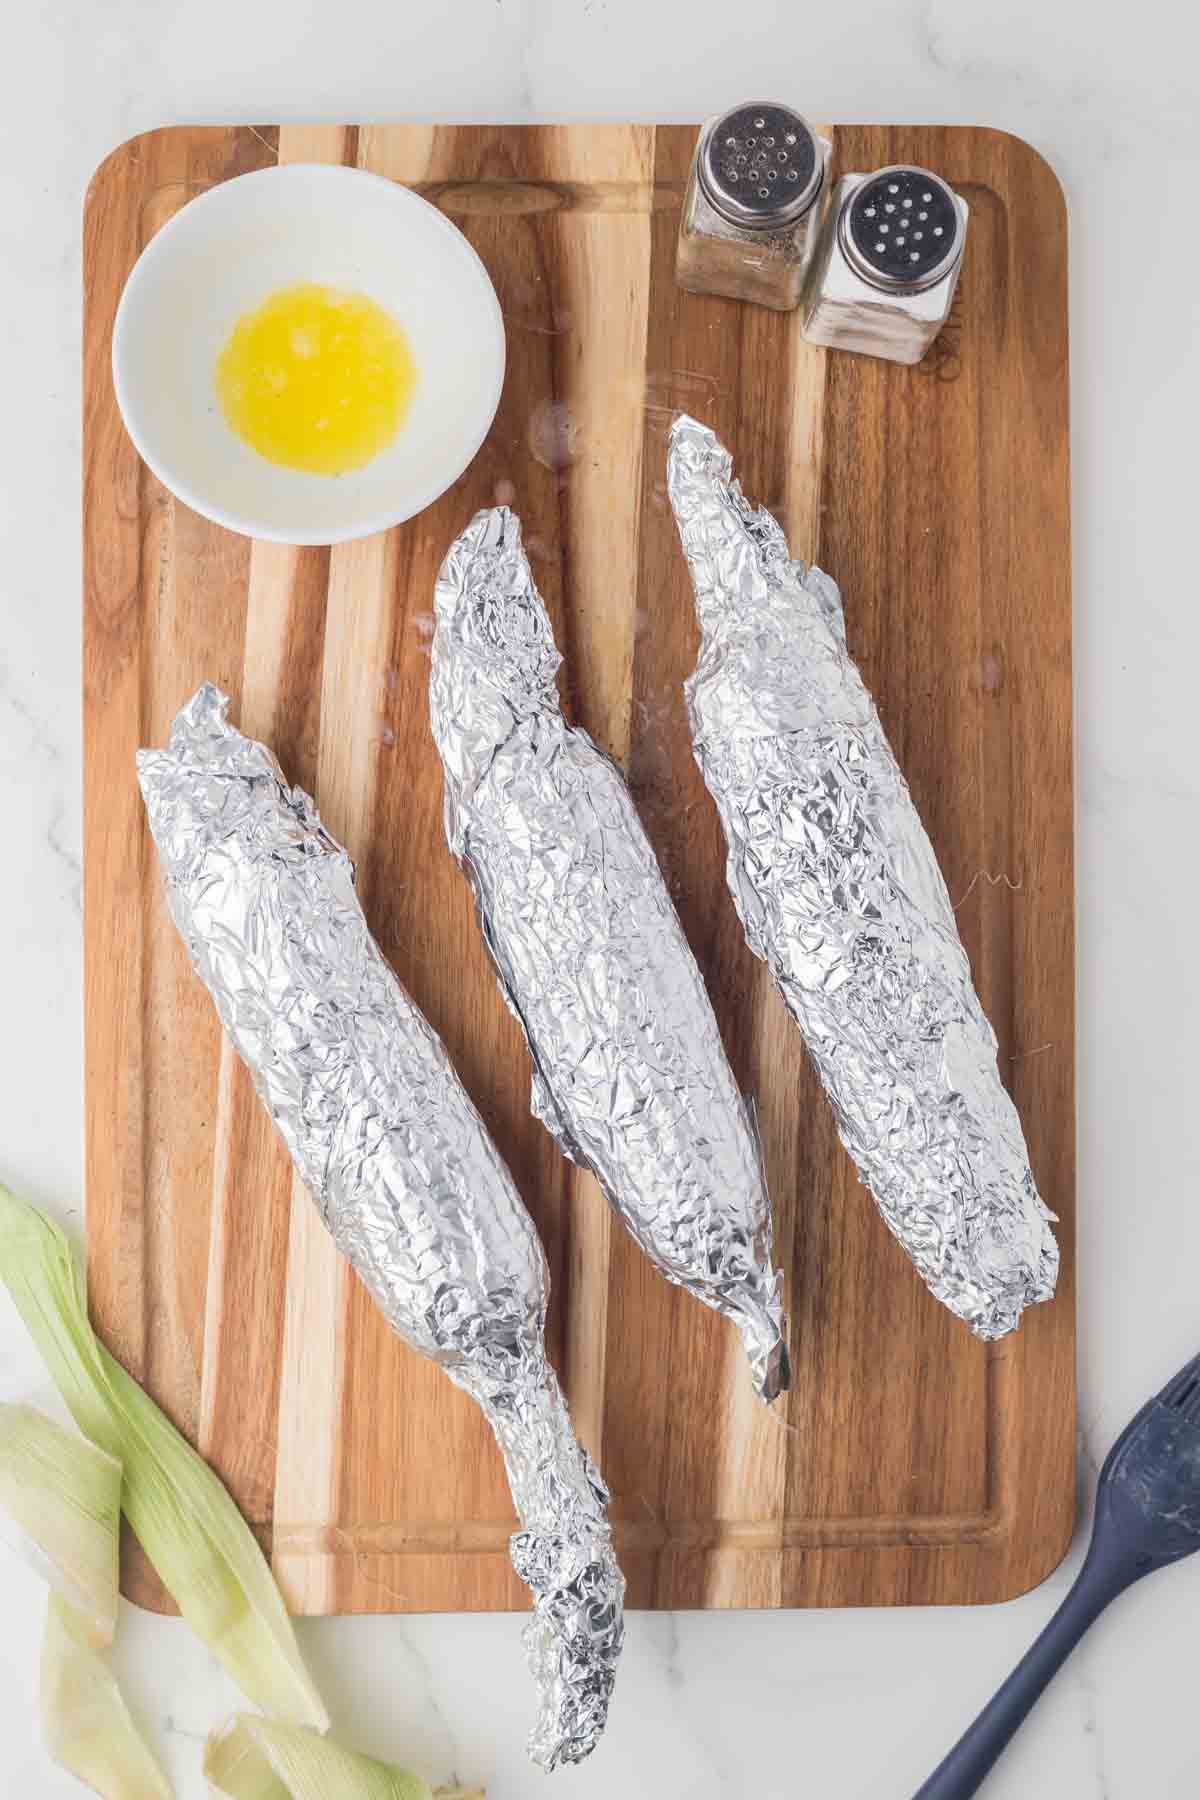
(884, 273)
(753, 205)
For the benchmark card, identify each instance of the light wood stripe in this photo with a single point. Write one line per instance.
(806, 435)
(601, 310)
(225, 1160)
(312, 1384)
(310, 1401)
(317, 143)
(252, 1178)
(313, 1395)
(756, 1447)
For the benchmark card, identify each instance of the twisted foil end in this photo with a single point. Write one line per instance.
(573, 1642)
(563, 1554)
(767, 1353)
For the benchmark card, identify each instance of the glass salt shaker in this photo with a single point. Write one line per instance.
(884, 273)
(753, 205)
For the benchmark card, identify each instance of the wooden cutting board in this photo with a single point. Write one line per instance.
(910, 1463)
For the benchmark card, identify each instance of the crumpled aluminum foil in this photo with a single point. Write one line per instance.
(397, 1159)
(630, 1075)
(839, 891)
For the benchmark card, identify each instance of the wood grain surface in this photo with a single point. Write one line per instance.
(909, 1463)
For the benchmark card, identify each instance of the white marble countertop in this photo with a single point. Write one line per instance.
(844, 1705)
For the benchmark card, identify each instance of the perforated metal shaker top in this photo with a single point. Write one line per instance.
(901, 229)
(760, 166)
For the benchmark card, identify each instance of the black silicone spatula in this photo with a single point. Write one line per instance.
(1147, 1516)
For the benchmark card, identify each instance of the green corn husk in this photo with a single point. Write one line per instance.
(85, 1723)
(60, 1508)
(61, 1494)
(256, 1759)
(201, 1547)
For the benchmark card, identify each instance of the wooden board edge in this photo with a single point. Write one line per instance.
(1018, 150)
(1026, 163)
(1027, 168)
(1052, 1553)
(144, 146)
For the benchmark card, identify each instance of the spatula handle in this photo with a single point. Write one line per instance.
(962, 1771)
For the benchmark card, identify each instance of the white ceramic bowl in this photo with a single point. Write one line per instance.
(222, 255)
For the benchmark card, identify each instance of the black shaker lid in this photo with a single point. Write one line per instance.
(902, 229)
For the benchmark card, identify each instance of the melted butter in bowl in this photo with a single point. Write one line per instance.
(316, 378)
(308, 354)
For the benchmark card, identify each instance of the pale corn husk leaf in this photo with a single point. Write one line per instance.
(60, 1508)
(85, 1723)
(203, 1550)
(258, 1759)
